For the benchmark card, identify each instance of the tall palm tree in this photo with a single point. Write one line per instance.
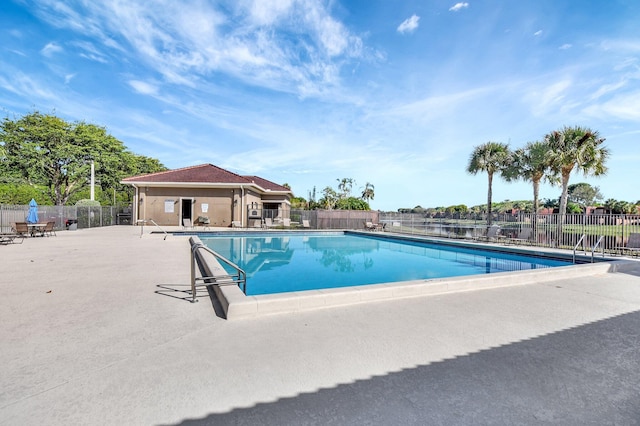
(368, 192)
(344, 186)
(531, 163)
(576, 148)
(490, 157)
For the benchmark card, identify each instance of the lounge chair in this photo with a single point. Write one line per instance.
(10, 238)
(524, 237)
(286, 223)
(492, 234)
(236, 224)
(268, 222)
(186, 224)
(305, 223)
(633, 245)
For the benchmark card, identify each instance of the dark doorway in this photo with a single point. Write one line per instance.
(187, 210)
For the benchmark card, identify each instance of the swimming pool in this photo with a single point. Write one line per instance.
(291, 262)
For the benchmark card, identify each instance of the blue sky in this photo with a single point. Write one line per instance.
(307, 92)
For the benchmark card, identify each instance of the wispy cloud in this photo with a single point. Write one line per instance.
(458, 6)
(409, 25)
(292, 46)
(622, 107)
(20, 83)
(90, 51)
(143, 87)
(565, 46)
(548, 97)
(538, 33)
(50, 49)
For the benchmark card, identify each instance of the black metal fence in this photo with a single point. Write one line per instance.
(610, 231)
(66, 217)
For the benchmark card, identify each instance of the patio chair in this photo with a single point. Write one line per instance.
(236, 224)
(492, 234)
(286, 222)
(305, 223)
(186, 224)
(268, 222)
(48, 229)
(369, 226)
(21, 228)
(524, 237)
(633, 244)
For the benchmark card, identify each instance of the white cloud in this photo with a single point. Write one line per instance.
(565, 46)
(20, 83)
(68, 78)
(89, 51)
(409, 24)
(292, 46)
(458, 6)
(538, 33)
(143, 87)
(622, 107)
(548, 98)
(50, 49)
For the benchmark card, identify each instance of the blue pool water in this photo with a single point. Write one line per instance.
(277, 263)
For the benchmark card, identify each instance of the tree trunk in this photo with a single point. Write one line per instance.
(563, 204)
(489, 200)
(536, 207)
(565, 194)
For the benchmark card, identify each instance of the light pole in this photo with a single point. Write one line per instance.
(93, 182)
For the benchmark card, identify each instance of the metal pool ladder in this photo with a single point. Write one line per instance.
(593, 250)
(239, 278)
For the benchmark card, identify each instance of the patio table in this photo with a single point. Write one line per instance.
(35, 228)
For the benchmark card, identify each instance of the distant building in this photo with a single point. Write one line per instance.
(207, 191)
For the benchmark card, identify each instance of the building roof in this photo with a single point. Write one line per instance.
(202, 175)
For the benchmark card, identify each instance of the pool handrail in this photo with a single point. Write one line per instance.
(142, 222)
(593, 250)
(240, 278)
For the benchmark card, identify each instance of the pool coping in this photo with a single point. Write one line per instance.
(237, 305)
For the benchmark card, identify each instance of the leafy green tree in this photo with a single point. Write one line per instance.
(298, 203)
(44, 149)
(621, 207)
(22, 193)
(583, 194)
(551, 203)
(575, 148)
(329, 198)
(609, 204)
(351, 203)
(491, 158)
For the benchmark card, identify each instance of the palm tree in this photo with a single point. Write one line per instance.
(368, 192)
(576, 148)
(344, 186)
(531, 163)
(491, 157)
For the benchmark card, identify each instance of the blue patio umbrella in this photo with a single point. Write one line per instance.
(32, 217)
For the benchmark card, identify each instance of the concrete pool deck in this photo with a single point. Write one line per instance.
(96, 329)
